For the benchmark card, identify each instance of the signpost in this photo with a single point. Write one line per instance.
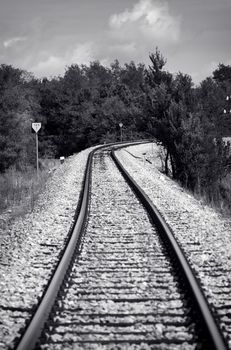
(36, 127)
(121, 132)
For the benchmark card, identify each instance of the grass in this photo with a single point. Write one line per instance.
(19, 189)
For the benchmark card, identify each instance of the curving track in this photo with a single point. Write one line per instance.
(124, 289)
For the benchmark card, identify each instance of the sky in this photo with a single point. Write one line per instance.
(46, 36)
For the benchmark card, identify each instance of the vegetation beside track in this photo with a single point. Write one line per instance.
(20, 189)
(96, 104)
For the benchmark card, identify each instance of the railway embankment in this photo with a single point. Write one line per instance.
(202, 232)
(30, 246)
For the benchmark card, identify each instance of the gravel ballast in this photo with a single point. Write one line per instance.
(122, 292)
(203, 233)
(30, 246)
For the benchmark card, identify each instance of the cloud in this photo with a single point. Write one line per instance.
(53, 65)
(148, 19)
(12, 41)
(127, 48)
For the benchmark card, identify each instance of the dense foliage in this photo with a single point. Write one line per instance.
(86, 105)
(189, 122)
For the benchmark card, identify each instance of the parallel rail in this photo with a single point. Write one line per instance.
(32, 332)
(214, 336)
(34, 329)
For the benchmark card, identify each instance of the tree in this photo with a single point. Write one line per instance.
(184, 121)
(133, 76)
(17, 105)
(156, 75)
(222, 73)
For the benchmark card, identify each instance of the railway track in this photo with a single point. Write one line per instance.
(125, 287)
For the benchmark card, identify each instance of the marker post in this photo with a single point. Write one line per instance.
(121, 131)
(36, 127)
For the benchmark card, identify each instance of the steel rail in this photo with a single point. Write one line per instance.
(215, 337)
(33, 331)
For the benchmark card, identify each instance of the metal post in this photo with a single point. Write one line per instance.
(37, 162)
(121, 131)
(36, 127)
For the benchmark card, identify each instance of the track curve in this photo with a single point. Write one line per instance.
(210, 329)
(35, 325)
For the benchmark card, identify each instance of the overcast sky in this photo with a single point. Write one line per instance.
(45, 36)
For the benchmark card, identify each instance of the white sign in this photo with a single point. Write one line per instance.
(36, 126)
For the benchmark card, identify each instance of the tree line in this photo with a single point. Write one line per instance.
(85, 106)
